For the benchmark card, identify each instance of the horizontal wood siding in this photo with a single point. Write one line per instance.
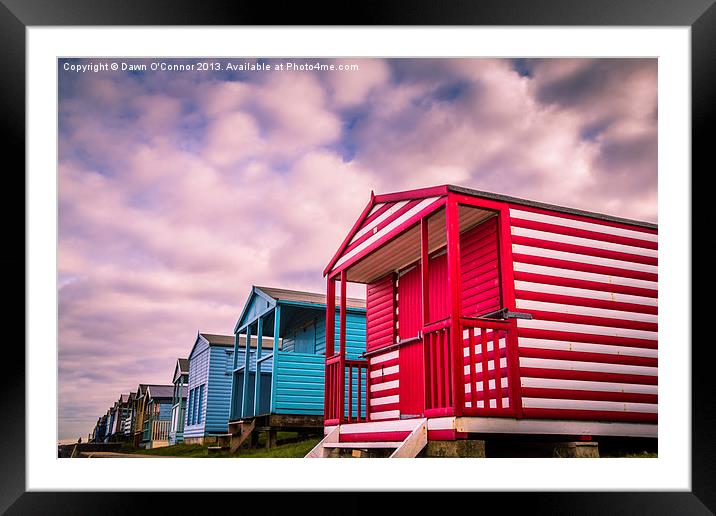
(300, 376)
(306, 330)
(165, 411)
(198, 375)
(381, 313)
(299, 383)
(218, 394)
(590, 351)
(355, 333)
(479, 270)
(384, 396)
(321, 335)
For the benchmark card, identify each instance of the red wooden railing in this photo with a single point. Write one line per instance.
(345, 403)
(481, 377)
(359, 369)
(438, 359)
(334, 390)
(486, 393)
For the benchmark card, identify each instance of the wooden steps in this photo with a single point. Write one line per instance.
(240, 431)
(416, 440)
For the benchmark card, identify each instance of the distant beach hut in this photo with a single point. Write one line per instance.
(180, 379)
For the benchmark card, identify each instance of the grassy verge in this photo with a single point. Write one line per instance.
(636, 455)
(289, 446)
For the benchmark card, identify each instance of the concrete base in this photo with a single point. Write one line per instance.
(216, 440)
(471, 448)
(577, 450)
(208, 439)
(156, 444)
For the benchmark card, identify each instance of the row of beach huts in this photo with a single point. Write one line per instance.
(209, 388)
(485, 315)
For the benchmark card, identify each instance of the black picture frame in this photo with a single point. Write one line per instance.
(17, 15)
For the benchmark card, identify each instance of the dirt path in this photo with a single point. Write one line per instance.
(114, 455)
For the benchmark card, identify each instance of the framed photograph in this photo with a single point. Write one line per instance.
(264, 245)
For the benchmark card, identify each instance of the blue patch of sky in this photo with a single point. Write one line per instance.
(398, 71)
(281, 165)
(66, 80)
(451, 91)
(446, 92)
(523, 67)
(191, 130)
(590, 132)
(92, 162)
(347, 146)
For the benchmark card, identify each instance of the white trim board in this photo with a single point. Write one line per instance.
(493, 425)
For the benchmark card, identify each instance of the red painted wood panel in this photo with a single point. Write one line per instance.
(411, 355)
(479, 270)
(582, 249)
(582, 233)
(584, 267)
(606, 223)
(380, 313)
(439, 299)
(582, 324)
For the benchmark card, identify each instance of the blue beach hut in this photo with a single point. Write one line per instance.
(209, 387)
(291, 373)
(180, 380)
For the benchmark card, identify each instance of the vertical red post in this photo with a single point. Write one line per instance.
(424, 277)
(342, 350)
(498, 372)
(471, 363)
(430, 402)
(330, 316)
(440, 370)
(360, 372)
(329, 382)
(425, 281)
(485, 368)
(507, 283)
(452, 224)
(343, 314)
(350, 393)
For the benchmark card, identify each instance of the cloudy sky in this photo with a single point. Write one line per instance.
(179, 190)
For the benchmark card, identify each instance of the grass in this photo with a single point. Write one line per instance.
(636, 455)
(289, 446)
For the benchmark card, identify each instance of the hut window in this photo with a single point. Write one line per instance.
(190, 407)
(200, 404)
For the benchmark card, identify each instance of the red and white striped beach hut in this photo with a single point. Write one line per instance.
(491, 314)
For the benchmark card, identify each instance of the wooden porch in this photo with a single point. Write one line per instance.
(247, 430)
(460, 360)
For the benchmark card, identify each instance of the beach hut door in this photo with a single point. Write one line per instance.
(411, 403)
